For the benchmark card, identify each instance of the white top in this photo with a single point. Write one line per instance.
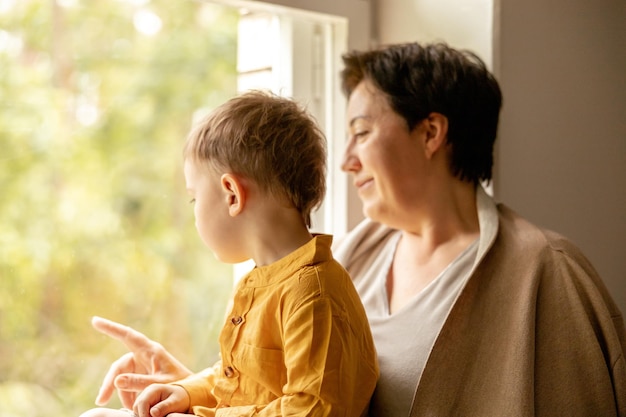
(405, 339)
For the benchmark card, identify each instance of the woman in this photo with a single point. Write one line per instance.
(474, 310)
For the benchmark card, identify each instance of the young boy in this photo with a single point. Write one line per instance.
(296, 341)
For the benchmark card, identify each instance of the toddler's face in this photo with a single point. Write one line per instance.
(210, 200)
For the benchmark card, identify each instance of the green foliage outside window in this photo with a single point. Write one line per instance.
(96, 98)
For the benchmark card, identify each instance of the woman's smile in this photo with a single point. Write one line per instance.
(363, 184)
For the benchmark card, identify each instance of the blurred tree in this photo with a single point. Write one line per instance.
(96, 98)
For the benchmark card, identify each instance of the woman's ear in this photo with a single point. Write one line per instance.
(436, 129)
(234, 193)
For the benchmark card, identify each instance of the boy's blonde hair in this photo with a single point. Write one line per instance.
(268, 139)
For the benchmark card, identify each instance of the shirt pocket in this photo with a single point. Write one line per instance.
(262, 370)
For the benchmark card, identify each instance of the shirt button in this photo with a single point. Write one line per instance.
(229, 372)
(236, 320)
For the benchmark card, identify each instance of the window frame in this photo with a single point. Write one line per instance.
(346, 25)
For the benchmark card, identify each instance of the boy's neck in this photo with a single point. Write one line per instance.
(276, 232)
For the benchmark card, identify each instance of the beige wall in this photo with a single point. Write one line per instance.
(561, 158)
(562, 155)
(460, 23)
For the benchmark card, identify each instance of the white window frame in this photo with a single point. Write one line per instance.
(312, 36)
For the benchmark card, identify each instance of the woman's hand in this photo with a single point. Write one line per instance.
(147, 363)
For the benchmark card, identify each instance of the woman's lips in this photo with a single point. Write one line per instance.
(360, 184)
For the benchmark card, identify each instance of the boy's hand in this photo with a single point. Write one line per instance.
(147, 363)
(159, 400)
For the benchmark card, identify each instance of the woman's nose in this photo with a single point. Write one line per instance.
(350, 162)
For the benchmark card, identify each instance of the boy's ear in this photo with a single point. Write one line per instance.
(436, 129)
(234, 193)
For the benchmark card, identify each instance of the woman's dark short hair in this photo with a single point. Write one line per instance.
(422, 79)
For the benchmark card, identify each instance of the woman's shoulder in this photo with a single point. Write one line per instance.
(517, 229)
(363, 240)
(542, 249)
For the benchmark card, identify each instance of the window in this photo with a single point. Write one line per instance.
(96, 99)
(93, 213)
(295, 53)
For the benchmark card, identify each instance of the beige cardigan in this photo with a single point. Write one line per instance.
(533, 333)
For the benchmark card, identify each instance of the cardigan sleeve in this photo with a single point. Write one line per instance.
(580, 337)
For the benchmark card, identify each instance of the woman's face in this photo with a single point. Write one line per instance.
(386, 161)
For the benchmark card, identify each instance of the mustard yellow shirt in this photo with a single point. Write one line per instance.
(296, 343)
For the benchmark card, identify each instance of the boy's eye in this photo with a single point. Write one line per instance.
(193, 200)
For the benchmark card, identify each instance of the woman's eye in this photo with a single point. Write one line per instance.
(360, 135)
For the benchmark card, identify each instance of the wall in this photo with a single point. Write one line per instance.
(561, 157)
(460, 23)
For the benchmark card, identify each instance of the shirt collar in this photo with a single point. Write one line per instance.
(314, 251)
(488, 222)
